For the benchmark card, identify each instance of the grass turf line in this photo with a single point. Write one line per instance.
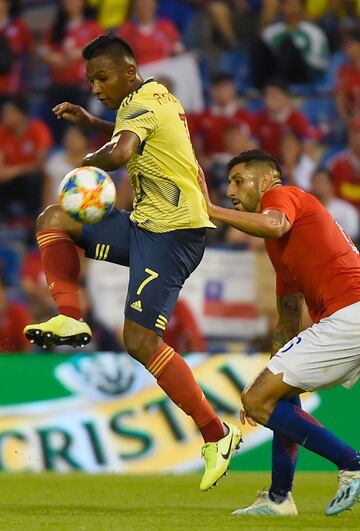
(82, 502)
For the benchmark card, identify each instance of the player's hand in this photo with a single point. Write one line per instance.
(244, 418)
(73, 113)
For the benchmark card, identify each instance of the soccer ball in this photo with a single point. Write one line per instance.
(87, 194)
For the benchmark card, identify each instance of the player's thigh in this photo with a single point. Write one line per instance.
(108, 240)
(324, 355)
(159, 266)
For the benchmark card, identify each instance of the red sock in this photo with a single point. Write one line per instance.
(175, 377)
(61, 265)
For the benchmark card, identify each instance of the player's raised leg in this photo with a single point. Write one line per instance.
(159, 265)
(55, 234)
(175, 377)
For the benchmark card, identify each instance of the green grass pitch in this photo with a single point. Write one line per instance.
(82, 502)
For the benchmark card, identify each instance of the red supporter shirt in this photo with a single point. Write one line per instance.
(345, 175)
(269, 131)
(315, 257)
(182, 331)
(32, 268)
(349, 84)
(159, 42)
(210, 125)
(76, 37)
(20, 39)
(23, 149)
(12, 323)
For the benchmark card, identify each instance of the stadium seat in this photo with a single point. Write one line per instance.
(237, 64)
(10, 264)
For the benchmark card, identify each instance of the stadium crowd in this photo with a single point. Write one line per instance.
(283, 75)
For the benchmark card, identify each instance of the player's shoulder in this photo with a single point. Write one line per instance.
(150, 94)
(286, 191)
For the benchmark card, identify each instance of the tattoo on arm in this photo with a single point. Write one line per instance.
(289, 324)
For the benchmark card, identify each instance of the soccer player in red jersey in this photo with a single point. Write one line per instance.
(313, 259)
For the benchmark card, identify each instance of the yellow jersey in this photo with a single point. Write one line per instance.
(163, 170)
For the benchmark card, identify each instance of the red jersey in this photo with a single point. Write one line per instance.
(349, 85)
(19, 37)
(209, 125)
(269, 131)
(12, 322)
(76, 37)
(23, 149)
(345, 175)
(152, 44)
(315, 257)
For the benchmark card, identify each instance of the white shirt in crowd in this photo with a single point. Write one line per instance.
(346, 215)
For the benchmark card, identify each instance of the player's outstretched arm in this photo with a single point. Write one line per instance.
(270, 224)
(80, 116)
(114, 154)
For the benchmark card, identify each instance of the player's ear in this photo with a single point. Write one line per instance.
(131, 73)
(265, 182)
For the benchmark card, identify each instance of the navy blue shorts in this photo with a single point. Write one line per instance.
(159, 263)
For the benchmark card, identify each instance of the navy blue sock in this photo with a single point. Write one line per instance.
(284, 457)
(299, 426)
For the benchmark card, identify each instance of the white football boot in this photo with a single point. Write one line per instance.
(347, 493)
(264, 506)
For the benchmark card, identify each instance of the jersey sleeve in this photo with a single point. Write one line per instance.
(137, 118)
(285, 200)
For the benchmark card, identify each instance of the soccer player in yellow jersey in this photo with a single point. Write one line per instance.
(162, 240)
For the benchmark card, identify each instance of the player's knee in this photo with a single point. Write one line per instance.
(53, 217)
(140, 342)
(252, 404)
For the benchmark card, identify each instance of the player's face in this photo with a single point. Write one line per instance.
(243, 189)
(111, 79)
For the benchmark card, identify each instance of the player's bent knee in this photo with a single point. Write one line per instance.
(252, 405)
(140, 342)
(51, 218)
(54, 217)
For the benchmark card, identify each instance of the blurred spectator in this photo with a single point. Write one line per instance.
(180, 12)
(338, 17)
(33, 284)
(236, 21)
(207, 127)
(297, 165)
(151, 38)
(293, 49)
(62, 50)
(110, 13)
(183, 332)
(104, 339)
(13, 318)
(342, 211)
(75, 147)
(345, 167)
(236, 138)
(107, 285)
(348, 87)
(278, 116)
(24, 144)
(16, 45)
